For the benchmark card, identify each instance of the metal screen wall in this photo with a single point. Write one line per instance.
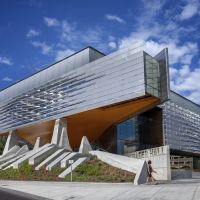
(107, 80)
(181, 123)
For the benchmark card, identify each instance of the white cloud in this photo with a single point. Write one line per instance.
(157, 36)
(51, 22)
(92, 35)
(68, 32)
(70, 37)
(115, 18)
(5, 61)
(177, 53)
(75, 38)
(173, 72)
(112, 45)
(186, 81)
(32, 33)
(45, 49)
(187, 59)
(7, 79)
(63, 53)
(189, 10)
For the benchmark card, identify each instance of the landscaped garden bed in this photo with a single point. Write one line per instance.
(93, 170)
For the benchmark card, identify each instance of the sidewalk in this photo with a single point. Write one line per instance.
(175, 190)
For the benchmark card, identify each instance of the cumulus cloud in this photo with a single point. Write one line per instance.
(189, 10)
(112, 45)
(63, 53)
(178, 53)
(186, 81)
(156, 35)
(7, 79)
(51, 22)
(93, 35)
(32, 33)
(70, 38)
(5, 61)
(115, 18)
(45, 49)
(75, 38)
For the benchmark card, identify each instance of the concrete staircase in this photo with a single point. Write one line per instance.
(74, 166)
(47, 156)
(58, 153)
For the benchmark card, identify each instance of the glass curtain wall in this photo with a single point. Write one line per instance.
(127, 134)
(152, 75)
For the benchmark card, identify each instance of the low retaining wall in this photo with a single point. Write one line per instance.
(181, 174)
(134, 165)
(160, 157)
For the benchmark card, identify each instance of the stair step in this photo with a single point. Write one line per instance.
(64, 162)
(50, 159)
(19, 162)
(35, 159)
(57, 161)
(7, 163)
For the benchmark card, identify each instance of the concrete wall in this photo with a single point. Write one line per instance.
(181, 174)
(134, 165)
(160, 157)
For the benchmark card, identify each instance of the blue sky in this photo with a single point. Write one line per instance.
(36, 33)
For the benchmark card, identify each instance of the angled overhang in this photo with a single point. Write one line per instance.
(129, 77)
(162, 58)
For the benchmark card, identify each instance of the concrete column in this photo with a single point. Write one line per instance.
(59, 124)
(22, 150)
(168, 163)
(11, 141)
(38, 143)
(64, 140)
(85, 146)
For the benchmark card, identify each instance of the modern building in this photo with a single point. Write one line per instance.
(175, 122)
(122, 102)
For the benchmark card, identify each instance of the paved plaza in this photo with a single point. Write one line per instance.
(180, 189)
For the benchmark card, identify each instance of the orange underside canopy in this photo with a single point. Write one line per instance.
(90, 123)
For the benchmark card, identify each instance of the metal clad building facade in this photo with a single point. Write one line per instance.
(181, 124)
(88, 80)
(78, 86)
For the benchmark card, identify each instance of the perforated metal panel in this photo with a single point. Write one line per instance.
(181, 124)
(107, 80)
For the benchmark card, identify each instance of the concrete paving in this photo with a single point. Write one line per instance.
(7, 194)
(174, 190)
